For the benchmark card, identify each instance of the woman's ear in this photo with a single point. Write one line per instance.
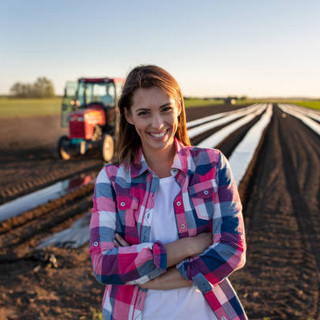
(128, 116)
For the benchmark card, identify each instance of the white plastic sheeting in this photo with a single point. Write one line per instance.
(313, 125)
(242, 155)
(197, 122)
(220, 135)
(193, 132)
(30, 201)
(313, 114)
(73, 237)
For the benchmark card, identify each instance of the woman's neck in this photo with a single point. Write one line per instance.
(160, 161)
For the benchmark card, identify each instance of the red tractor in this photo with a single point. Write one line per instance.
(89, 110)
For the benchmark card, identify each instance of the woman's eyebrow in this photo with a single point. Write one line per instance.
(166, 104)
(147, 109)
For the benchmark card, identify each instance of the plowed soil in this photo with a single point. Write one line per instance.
(281, 279)
(281, 193)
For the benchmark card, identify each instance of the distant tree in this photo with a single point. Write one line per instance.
(42, 88)
(21, 90)
(16, 89)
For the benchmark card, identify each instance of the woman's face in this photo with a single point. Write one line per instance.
(155, 117)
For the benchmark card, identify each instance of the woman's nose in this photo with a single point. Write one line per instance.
(157, 122)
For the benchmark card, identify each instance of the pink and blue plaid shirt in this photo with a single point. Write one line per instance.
(207, 202)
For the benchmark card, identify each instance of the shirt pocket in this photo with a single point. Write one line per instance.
(202, 198)
(128, 215)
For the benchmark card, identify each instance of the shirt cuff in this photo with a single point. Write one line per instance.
(198, 280)
(160, 255)
(182, 267)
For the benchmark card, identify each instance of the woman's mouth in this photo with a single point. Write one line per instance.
(158, 135)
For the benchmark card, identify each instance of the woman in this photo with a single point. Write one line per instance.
(166, 226)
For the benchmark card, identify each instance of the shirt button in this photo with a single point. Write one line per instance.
(182, 226)
(206, 192)
(178, 203)
(95, 243)
(122, 204)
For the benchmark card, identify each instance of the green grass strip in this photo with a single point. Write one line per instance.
(191, 103)
(10, 108)
(307, 104)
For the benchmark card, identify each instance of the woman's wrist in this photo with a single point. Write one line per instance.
(187, 244)
(178, 251)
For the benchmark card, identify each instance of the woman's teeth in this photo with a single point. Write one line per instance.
(158, 135)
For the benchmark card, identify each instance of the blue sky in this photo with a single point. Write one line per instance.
(212, 47)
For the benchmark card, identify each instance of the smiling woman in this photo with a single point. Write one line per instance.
(143, 83)
(166, 228)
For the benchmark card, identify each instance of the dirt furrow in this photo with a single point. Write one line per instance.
(303, 179)
(18, 239)
(280, 279)
(18, 180)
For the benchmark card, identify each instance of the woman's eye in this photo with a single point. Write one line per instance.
(166, 109)
(143, 113)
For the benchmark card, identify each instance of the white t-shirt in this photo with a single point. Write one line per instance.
(183, 303)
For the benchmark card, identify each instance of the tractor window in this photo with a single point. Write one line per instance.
(81, 94)
(99, 92)
(106, 94)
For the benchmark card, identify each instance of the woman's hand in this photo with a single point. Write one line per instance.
(186, 247)
(119, 241)
(199, 243)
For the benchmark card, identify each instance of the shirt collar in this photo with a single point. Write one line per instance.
(180, 160)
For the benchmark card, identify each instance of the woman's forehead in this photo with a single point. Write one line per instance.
(151, 97)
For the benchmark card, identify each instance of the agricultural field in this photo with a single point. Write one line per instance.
(307, 104)
(10, 107)
(193, 102)
(279, 185)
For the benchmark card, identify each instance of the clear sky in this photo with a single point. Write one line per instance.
(256, 48)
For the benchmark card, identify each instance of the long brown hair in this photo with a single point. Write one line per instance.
(146, 76)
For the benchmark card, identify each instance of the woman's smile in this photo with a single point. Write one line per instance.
(158, 135)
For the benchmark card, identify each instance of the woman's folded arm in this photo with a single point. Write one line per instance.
(228, 251)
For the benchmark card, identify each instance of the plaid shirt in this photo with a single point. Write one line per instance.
(207, 202)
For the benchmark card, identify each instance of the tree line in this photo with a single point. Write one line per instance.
(41, 88)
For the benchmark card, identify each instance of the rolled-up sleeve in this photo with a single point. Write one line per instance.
(133, 264)
(227, 253)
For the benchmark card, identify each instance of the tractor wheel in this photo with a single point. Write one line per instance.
(63, 153)
(107, 148)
